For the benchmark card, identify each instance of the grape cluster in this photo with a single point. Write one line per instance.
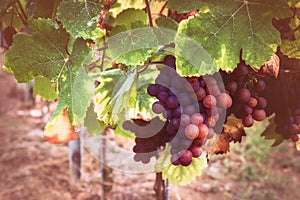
(148, 137)
(283, 94)
(247, 91)
(192, 106)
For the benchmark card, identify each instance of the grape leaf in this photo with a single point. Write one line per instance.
(41, 8)
(132, 47)
(125, 4)
(179, 174)
(291, 48)
(60, 130)
(114, 93)
(137, 4)
(45, 53)
(230, 26)
(92, 124)
(76, 89)
(271, 134)
(185, 6)
(44, 88)
(123, 133)
(80, 18)
(233, 132)
(128, 16)
(166, 22)
(272, 66)
(46, 56)
(143, 102)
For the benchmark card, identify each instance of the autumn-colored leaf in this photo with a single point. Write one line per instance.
(271, 134)
(60, 130)
(233, 132)
(222, 144)
(272, 66)
(234, 128)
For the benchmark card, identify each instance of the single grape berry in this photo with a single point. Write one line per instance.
(172, 102)
(163, 96)
(185, 120)
(170, 61)
(196, 151)
(231, 86)
(248, 121)
(177, 112)
(209, 101)
(243, 95)
(152, 90)
(186, 157)
(175, 122)
(224, 101)
(259, 85)
(197, 119)
(203, 131)
(252, 102)
(295, 138)
(262, 102)
(259, 114)
(200, 93)
(191, 131)
(158, 107)
(184, 99)
(175, 160)
(190, 110)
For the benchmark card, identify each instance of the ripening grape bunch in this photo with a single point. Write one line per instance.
(283, 94)
(150, 137)
(247, 92)
(193, 108)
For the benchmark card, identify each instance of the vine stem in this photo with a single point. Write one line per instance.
(22, 10)
(149, 13)
(162, 8)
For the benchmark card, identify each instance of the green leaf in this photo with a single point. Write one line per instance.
(92, 124)
(166, 22)
(128, 16)
(113, 95)
(125, 4)
(76, 88)
(291, 48)
(179, 174)
(123, 133)
(41, 8)
(143, 101)
(271, 134)
(185, 6)
(132, 47)
(44, 88)
(230, 26)
(80, 18)
(46, 56)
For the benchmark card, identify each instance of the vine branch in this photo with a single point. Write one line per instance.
(149, 13)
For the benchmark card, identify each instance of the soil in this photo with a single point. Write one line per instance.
(32, 169)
